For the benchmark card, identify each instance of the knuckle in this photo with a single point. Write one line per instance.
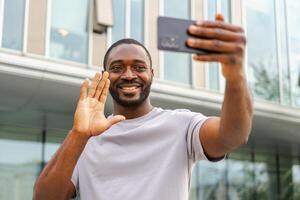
(243, 39)
(198, 31)
(216, 43)
(240, 48)
(217, 32)
(241, 29)
(232, 59)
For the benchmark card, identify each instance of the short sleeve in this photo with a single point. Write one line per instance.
(195, 150)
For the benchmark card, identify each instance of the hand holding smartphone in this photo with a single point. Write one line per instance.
(173, 33)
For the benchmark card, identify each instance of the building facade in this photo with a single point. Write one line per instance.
(47, 48)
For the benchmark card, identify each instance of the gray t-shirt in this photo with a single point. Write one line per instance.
(150, 157)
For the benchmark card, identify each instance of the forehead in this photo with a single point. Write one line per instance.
(128, 52)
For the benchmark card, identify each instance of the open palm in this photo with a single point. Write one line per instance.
(89, 117)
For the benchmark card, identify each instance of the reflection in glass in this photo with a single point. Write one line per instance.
(177, 66)
(212, 180)
(20, 157)
(296, 180)
(137, 20)
(262, 57)
(136, 17)
(118, 30)
(213, 68)
(240, 176)
(13, 24)
(294, 41)
(69, 30)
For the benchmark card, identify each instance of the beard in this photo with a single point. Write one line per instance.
(144, 94)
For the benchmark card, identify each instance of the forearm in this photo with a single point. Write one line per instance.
(236, 114)
(55, 177)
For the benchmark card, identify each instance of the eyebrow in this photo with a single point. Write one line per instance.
(121, 61)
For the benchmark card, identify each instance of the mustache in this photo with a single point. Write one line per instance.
(129, 82)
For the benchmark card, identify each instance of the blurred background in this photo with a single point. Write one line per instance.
(47, 48)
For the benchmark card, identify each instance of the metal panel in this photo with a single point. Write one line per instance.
(104, 12)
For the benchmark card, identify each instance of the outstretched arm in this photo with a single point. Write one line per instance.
(220, 135)
(55, 180)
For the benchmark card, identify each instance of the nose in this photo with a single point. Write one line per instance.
(128, 74)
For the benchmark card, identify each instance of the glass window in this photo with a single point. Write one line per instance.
(262, 57)
(293, 17)
(240, 176)
(54, 138)
(177, 66)
(118, 30)
(13, 24)
(213, 68)
(265, 177)
(137, 20)
(212, 180)
(296, 180)
(283, 53)
(136, 17)
(69, 30)
(20, 158)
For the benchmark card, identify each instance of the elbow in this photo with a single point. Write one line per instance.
(38, 191)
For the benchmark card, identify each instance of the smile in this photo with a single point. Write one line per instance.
(129, 88)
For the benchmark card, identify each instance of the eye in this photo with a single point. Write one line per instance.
(115, 68)
(139, 68)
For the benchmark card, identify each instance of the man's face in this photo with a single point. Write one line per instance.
(130, 74)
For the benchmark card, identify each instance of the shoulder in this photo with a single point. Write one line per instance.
(181, 114)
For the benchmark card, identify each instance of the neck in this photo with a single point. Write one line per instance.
(133, 112)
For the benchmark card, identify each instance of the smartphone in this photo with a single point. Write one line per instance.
(172, 34)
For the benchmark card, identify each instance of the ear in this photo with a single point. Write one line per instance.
(152, 72)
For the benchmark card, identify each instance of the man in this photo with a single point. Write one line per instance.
(142, 152)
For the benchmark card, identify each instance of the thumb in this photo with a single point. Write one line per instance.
(219, 17)
(116, 119)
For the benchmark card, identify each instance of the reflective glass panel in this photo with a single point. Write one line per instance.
(296, 180)
(265, 177)
(137, 20)
(69, 30)
(262, 57)
(20, 158)
(177, 66)
(13, 24)
(213, 68)
(212, 180)
(118, 30)
(240, 176)
(293, 14)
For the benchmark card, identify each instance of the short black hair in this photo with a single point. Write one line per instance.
(125, 41)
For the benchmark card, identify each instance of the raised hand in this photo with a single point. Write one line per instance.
(227, 40)
(89, 116)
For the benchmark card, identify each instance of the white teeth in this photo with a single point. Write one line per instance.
(129, 88)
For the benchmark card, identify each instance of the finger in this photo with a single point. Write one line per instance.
(93, 87)
(216, 33)
(101, 85)
(222, 58)
(84, 89)
(219, 17)
(215, 45)
(115, 119)
(104, 93)
(221, 25)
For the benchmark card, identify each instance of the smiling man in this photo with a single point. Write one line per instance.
(141, 151)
